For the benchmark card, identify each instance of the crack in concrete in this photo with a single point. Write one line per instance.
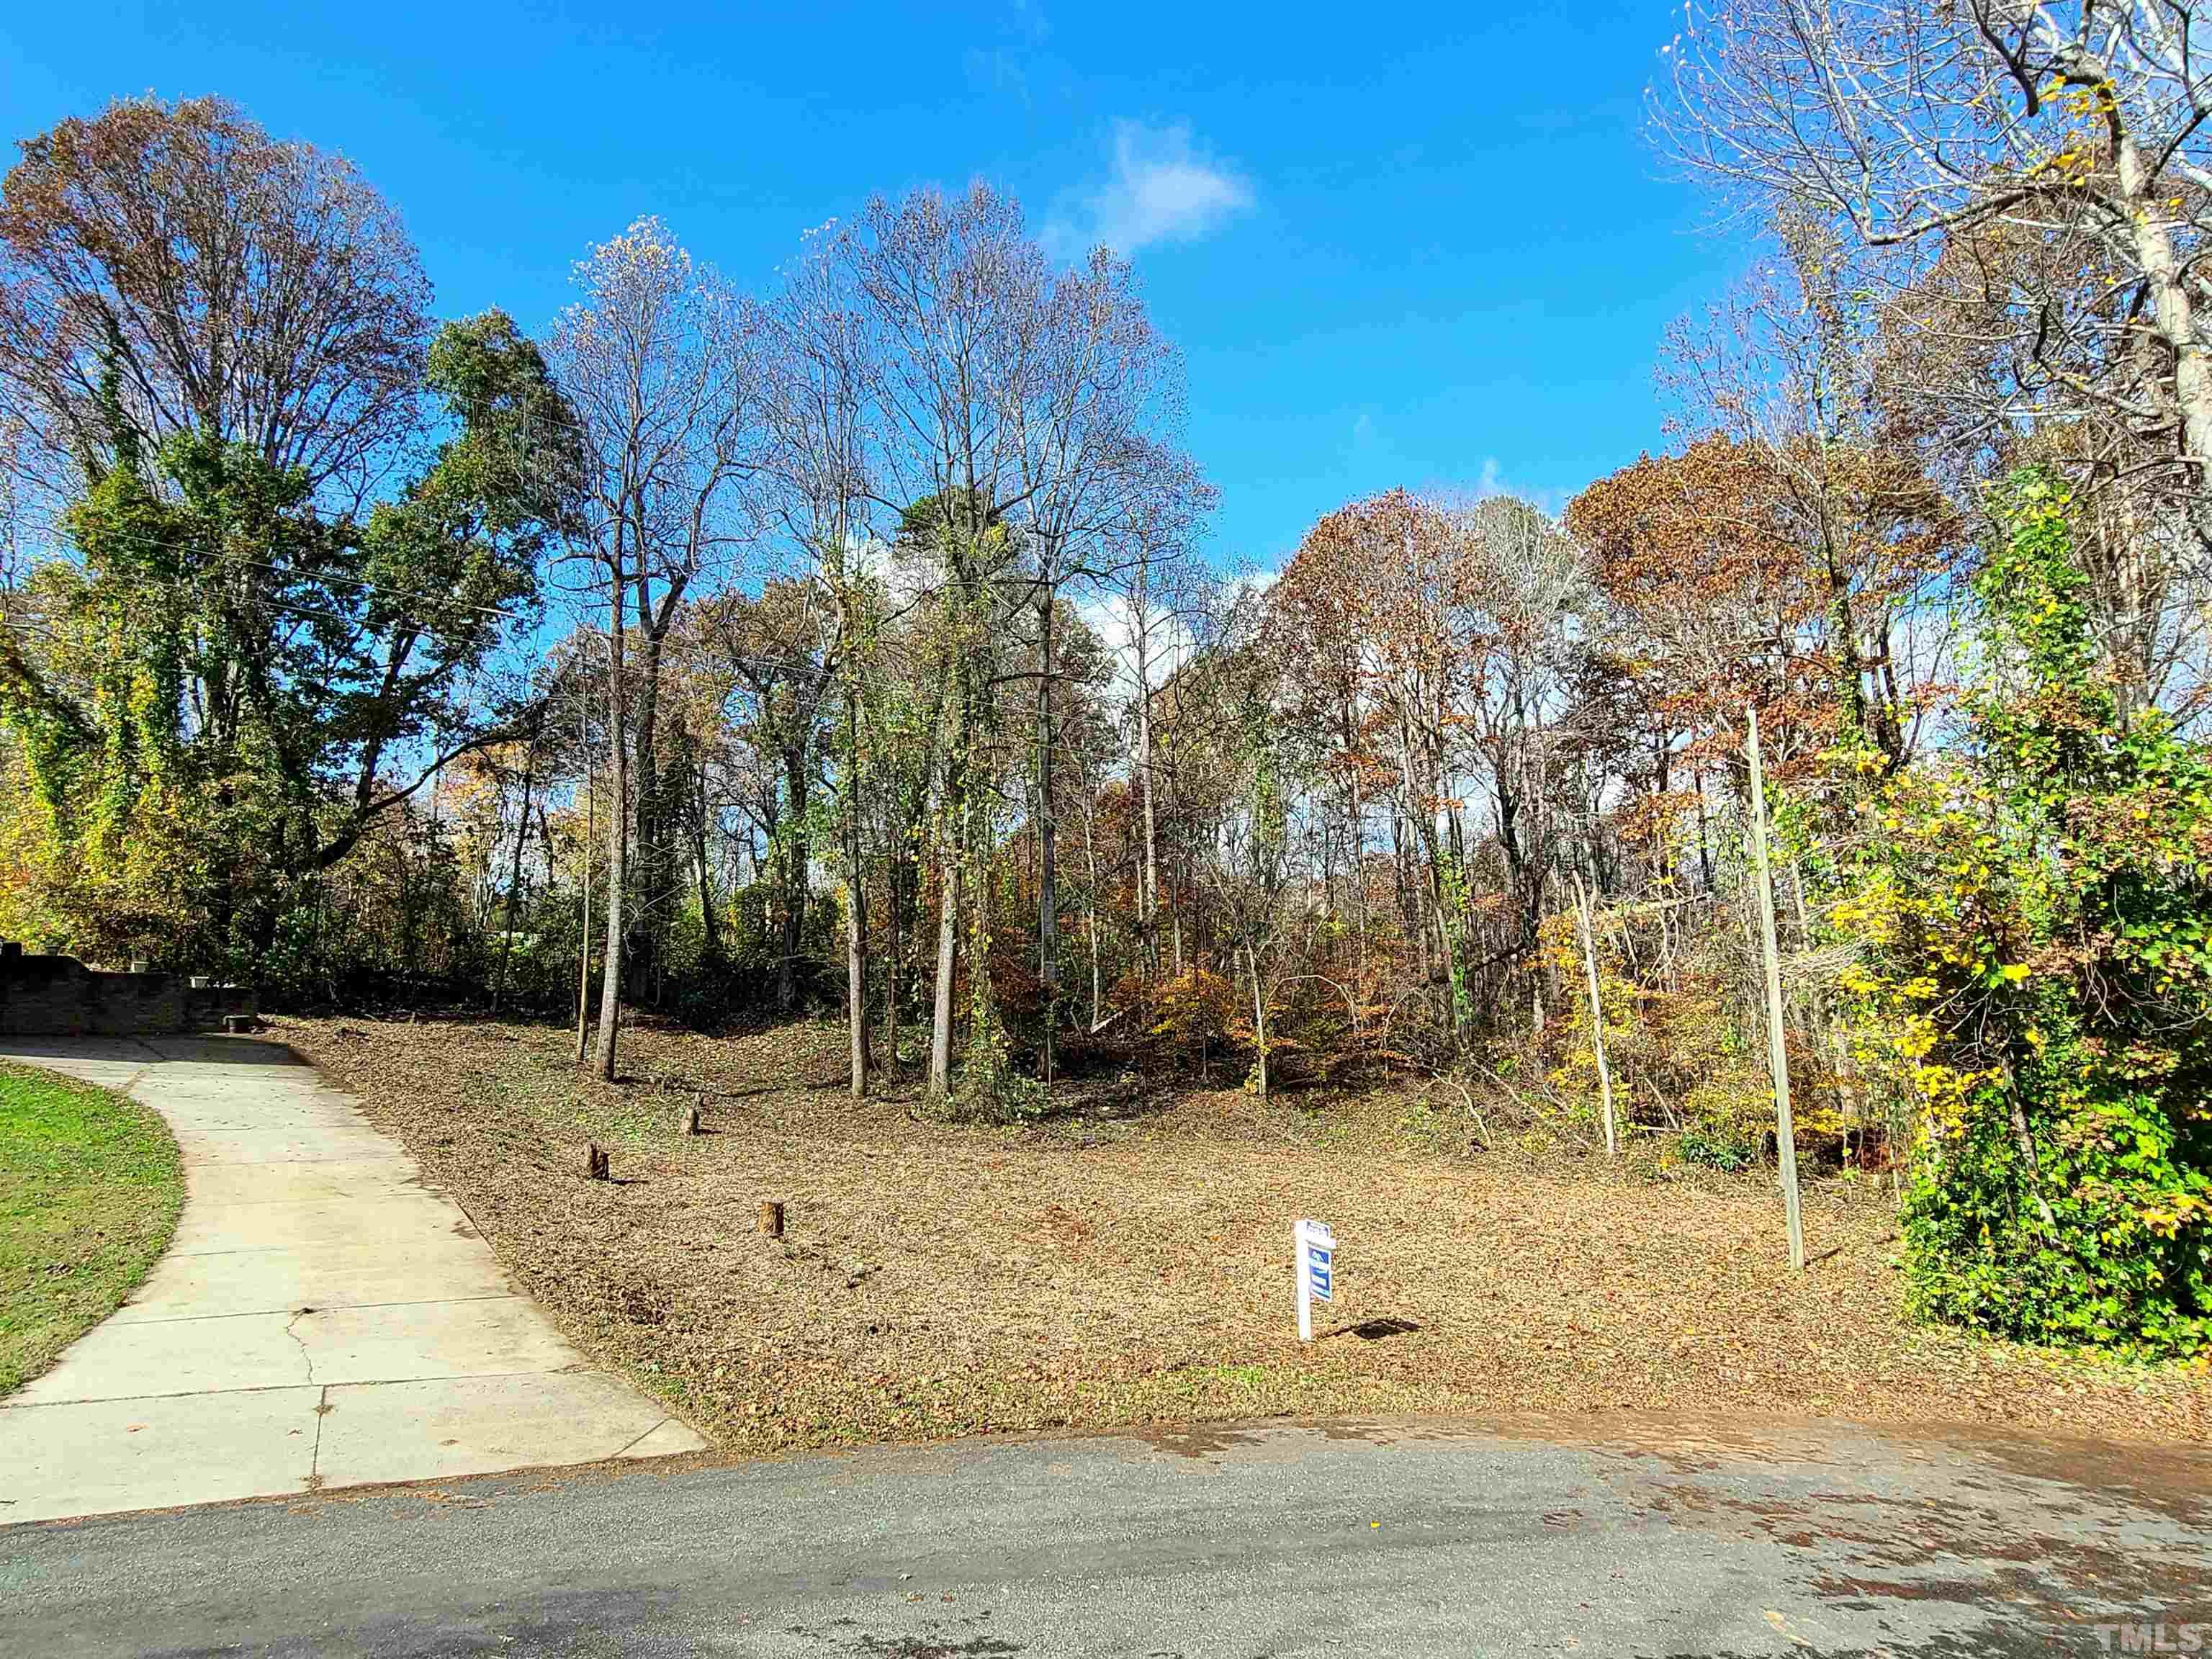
(648, 1435)
(305, 1357)
(315, 1458)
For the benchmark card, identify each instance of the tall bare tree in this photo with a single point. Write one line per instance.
(2080, 130)
(1150, 580)
(238, 286)
(820, 415)
(656, 359)
(1102, 409)
(956, 293)
(1795, 369)
(1523, 589)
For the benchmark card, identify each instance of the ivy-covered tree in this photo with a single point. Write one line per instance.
(227, 689)
(2037, 977)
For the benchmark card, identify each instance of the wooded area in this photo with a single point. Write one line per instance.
(856, 644)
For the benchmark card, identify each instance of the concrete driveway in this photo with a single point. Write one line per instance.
(322, 1318)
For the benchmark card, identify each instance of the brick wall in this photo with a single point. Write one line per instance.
(59, 996)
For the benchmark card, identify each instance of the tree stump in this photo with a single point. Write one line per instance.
(595, 1161)
(771, 1218)
(691, 1125)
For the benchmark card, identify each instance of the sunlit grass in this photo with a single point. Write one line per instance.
(90, 1185)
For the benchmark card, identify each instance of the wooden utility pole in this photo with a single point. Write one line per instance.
(1597, 1010)
(1777, 1053)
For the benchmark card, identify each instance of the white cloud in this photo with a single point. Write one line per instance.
(1492, 481)
(1163, 189)
(1170, 643)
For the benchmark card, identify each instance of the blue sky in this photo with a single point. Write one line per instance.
(1396, 245)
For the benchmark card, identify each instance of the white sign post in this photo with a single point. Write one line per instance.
(1314, 1247)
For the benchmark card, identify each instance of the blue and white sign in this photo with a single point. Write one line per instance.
(1314, 1249)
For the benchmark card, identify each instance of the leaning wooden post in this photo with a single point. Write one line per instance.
(1777, 1053)
(771, 1218)
(1597, 1010)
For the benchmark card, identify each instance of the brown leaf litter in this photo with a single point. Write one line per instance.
(1131, 1263)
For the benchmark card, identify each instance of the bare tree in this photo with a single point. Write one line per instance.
(14, 531)
(1151, 579)
(956, 293)
(2042, 172)
(821, 455)
(1796, 370)
(656, 359)
(1522, 586)
(235, 285)
(1103, 405)
(1251, 866)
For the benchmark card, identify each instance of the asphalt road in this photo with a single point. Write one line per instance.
(1404, 1539)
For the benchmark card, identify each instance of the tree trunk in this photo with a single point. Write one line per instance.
(1432, 858)
(1148, 892)
(1358, 843)
(583, 881)
(856, 902)
(948, 919)
(710, 940)
(856, 984)
(1777, 1052)
(894, 957)
(2174, 311)
(1704, 839)
(650, 839)
(906, 814)
(796, 859)
(1047, 840)
(1259, 1017)
(2024, 1143)
(617, 842)
(1597, 1012)
(1091, 910)
(940, 1029)
(514, 871)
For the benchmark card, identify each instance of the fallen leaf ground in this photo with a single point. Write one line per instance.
(1131, 1262)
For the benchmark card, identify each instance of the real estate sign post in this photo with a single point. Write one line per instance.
(1313, 1247)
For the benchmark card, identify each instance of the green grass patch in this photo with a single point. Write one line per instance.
(90, 1185)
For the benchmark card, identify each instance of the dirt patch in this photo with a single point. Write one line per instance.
(937, 1280)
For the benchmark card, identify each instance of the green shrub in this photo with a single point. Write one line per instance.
(2036, 982)
(1716, 1147)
